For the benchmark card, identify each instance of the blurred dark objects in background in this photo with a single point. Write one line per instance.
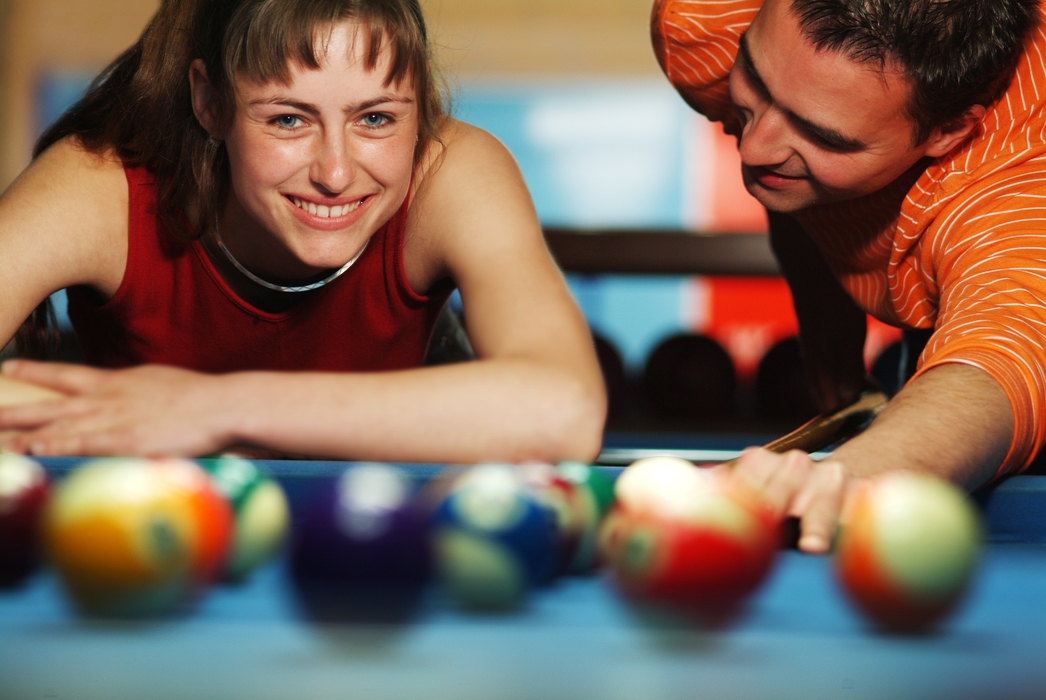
(781, 387)
(614, 377)
(689, 377)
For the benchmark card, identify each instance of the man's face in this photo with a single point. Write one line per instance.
(816, 126)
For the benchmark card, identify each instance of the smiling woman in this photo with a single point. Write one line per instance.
(259, 211)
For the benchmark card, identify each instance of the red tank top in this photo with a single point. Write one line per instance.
(174, 308)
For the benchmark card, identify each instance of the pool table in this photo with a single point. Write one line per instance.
(576, 639)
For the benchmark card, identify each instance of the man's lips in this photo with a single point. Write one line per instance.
(770, 179)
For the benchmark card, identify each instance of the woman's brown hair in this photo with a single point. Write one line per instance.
(140, 109)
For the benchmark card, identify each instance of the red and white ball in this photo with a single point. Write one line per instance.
(908, 550)
(688, 536)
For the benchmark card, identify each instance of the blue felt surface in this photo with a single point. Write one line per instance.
(577, 639)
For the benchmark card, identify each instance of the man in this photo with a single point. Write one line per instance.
(899, 148)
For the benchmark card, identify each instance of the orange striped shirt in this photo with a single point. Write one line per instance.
(959, 247)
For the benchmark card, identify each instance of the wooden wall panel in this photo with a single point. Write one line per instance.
(542, 38)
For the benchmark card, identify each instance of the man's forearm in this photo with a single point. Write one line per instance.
(954, 421)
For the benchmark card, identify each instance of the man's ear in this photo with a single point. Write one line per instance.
(203, 101)
(944, 138)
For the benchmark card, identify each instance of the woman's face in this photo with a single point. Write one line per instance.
(320, 163)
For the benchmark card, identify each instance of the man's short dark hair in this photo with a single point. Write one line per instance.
(955, 53)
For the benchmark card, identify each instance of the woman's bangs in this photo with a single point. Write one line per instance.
(281, 33)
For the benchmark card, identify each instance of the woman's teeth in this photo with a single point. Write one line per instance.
(323, 210)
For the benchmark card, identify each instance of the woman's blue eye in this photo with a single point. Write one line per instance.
(374, 119)
(287, 121)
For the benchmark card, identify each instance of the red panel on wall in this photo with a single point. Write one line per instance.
(747, 315)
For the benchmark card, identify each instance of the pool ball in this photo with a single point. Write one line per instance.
(24, 490)
(564, 502)
(262, 516)
(360, 549)
(595, 493)
(659, 484)
(908, 549)
(133, 537)
(493, 540)
(688, 537)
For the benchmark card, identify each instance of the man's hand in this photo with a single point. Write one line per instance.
(147, 410)
(795, 485)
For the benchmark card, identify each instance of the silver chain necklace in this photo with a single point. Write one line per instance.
(277, 287)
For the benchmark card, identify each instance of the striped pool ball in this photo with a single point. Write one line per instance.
(908, 550)
(689, 538)
(24, 489)
(133, 537)
(261, 511)
(494, 540)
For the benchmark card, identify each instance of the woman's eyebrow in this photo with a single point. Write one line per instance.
(314, 110)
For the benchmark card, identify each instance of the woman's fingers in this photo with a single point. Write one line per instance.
(152, 411)
(56, 376)
(14, 392)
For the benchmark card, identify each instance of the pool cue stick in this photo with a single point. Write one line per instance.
(829, 428)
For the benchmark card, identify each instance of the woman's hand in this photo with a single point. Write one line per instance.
(150, 410)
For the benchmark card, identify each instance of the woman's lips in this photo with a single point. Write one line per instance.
(326, 217)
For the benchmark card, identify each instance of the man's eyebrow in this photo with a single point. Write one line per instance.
(749, 68)
(830, 137)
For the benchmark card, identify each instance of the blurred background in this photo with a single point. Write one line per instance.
(641, 198)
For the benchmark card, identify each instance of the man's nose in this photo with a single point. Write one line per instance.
(764, 140)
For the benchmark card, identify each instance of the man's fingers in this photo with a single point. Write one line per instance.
(777, 477)
(819, 503)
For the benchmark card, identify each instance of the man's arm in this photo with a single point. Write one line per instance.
(954, 420)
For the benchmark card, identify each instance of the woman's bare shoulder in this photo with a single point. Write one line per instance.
(462, 147)
(73, 202)
(71, 158)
